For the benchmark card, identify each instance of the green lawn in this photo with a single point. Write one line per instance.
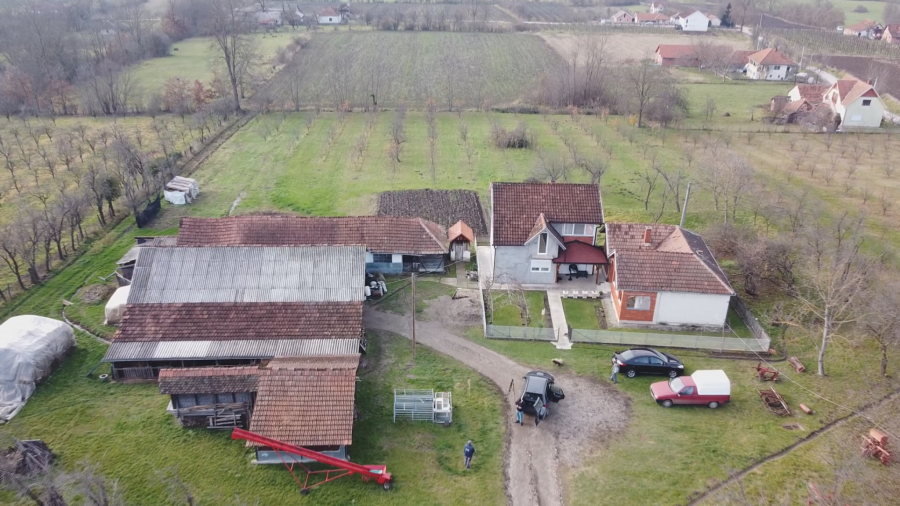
(582, 313)
(666, 455)
(196, 58)
(740, 99)
(411, 67)
(124, 429)
(399, 297)
(510, 316)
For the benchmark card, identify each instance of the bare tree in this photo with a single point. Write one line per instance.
(645, 82)
(225, 24)
(835, 274)
(551, 167)
(883, 322)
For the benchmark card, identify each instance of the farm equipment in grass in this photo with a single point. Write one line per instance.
(377, 473)
(774, 402)
(766, 374)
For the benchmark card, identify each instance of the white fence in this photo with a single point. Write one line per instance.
(519, 333)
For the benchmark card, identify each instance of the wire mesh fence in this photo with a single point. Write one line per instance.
(519, 333)
(667, 340)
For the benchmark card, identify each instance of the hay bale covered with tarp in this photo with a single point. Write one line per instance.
(30, 348)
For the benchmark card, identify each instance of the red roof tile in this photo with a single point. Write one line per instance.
(770, 56)
(644, 17)
(812, 92)
(578, 252)
(307, 401)
(851, 89)
(379, 234)
(461, 231)
(208, 380)
(862, 26)
(677, 51)
(517, 206)
(676, 260)
(240, 321)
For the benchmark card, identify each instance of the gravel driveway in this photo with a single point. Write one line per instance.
(587, 417)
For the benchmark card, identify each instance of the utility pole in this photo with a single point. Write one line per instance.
(687, 195)
(414, 313)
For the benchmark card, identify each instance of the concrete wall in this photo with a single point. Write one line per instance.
(515, 262)
(857, 115)
(768, 72)
(691, 308)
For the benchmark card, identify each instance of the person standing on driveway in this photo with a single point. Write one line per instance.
(519, 413)
(615, 374)
(469, 452)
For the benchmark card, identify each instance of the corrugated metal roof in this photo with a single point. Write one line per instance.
(249, 274)
(212, 350)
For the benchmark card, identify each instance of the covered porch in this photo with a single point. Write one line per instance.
(580, 261)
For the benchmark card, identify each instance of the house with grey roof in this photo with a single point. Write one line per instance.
(665, 275)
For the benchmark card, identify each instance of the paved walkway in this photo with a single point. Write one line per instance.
(560, 325)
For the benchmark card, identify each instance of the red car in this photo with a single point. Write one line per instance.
(712, 388)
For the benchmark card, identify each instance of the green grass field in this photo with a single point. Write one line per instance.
(411, 67)
(196, 58)
(510, 316)
(666, 455)
(582, 313)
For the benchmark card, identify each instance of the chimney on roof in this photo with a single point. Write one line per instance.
(647, 233)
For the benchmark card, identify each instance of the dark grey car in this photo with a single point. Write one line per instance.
(539, 391)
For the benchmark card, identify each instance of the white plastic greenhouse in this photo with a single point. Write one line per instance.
(30, 347)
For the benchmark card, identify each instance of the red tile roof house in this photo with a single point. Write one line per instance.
(891, 34)
(664, 275)
(393, 244)
(540, 232)
(769, 65)
(856, 103)
(303, 401)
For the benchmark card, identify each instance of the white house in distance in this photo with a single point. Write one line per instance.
(769, 65)
(866, 28)
(330, 16)
(714, 20)
(656, 7)
(542, 233)
(694, 21)
(856, 102)
(665, 275)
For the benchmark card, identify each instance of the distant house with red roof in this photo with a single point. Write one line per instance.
(812, 93)
(856, 102)
(769, 65)
(891, 34)
(691, 21)
(650, 18)
(867, 28)
(330, 16)
(665, 275)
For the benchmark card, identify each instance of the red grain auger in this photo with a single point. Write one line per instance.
(377, 473)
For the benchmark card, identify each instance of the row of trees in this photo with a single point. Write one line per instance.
(588, 80)
(62, 179)
(63, 61)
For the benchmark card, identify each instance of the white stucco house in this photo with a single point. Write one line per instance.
(657, 7)
(769, 65)
(856, 102)
(330, 16)
(694, 21)
(544, 233)
(714, 20)
(665, 275)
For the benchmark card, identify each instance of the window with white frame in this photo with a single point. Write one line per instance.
(540, 265)
(571, 229)
(381, 258)
(542, 243)
(638, 303)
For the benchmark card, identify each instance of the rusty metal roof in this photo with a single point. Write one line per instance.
(208, 380)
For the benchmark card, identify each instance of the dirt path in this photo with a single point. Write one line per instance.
(535, 456)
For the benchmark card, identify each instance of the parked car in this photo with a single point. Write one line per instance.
(712, 388)
(647, 361)
(539, 391)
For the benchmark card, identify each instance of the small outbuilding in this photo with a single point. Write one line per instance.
(31, 347)
(461, 238)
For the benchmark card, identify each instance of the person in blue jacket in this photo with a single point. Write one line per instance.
(469, 452)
